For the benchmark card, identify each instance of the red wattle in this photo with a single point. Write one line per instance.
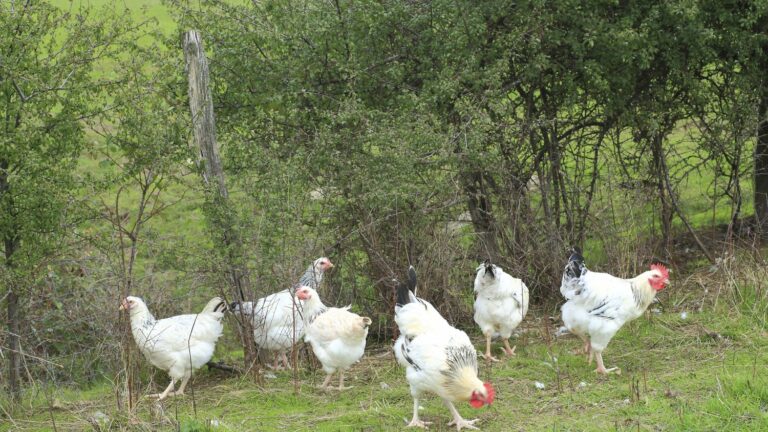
(491, 393)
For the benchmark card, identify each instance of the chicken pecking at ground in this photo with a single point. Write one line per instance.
(337, 337)
(438, 358)
(178, 344)
(277, 321)
(599, 304)
(500, 306)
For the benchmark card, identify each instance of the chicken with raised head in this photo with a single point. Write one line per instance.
(277, 319)
(599, 304)
(500, 305)
(178, 344)
(337, 337)
(439, 358)
(313, 275)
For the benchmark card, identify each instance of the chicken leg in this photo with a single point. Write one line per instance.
(415, 422)
(276, 363)
(324, 385)
(457, 420)
(600, 366)
(341, 381)
(488, 355)
(285, 361)
(164, 394)
(509, 351)
(585, 349)
(180, 391)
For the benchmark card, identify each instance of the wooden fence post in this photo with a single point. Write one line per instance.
(204, 127)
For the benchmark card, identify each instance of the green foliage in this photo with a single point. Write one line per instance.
(48, 89)
(371, 106)
(44, 89)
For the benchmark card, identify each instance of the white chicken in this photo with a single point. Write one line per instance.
(599, 304)
(337, 337)
(277, 321)
(438, 358)
(500, 306)
(178, 344)
(413, 315)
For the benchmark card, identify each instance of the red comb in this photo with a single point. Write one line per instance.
(662, 269)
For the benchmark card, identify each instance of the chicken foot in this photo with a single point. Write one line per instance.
(415, 422)
(601, 367)
(507, 350)
(168, 392)
(341, 381)
(180, 391)
(281, 362)
(324, 385)
(165, 393)
(488, 356)
(276, 363)
(458, 420)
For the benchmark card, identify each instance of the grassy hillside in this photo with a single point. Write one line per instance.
(140, 9)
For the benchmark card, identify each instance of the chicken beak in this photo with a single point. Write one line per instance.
(123, 305)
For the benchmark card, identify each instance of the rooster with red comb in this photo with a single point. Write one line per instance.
(438, 357)
(599, 304)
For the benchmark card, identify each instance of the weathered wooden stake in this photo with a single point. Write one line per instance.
(204, 128)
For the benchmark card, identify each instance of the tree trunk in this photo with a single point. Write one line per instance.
(479, 205)
(11, 244)
(14, 355)
(679, 211)
(204, 127)
(666, 210)
(761, 167)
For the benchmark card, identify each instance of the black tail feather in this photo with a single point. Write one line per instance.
(412, 279)
(403, 294)
(489, 267)
(575, 267)
(404, 290)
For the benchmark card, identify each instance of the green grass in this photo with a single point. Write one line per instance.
(705, 372)
(141, 10)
